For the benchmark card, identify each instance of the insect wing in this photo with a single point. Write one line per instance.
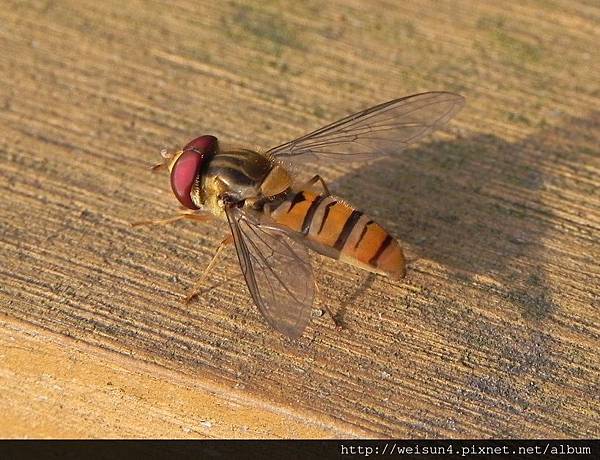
(277, 270)
(385, 129)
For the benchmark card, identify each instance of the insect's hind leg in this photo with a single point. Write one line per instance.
(336, 323)
(316, 178)
(198, 284)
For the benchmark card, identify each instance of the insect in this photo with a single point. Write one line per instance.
(275, 220)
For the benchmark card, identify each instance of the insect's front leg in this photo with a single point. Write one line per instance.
(184, 214)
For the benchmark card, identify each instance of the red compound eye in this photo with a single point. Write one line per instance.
(186, 168)
(202, 144)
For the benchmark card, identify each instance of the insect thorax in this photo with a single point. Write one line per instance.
(239, 175)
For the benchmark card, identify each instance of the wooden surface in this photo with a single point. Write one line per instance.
(495, 331)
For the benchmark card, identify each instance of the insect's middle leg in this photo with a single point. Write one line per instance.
(316, 178)
(198, 284)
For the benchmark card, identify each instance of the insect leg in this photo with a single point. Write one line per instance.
(313, 181)
(191, 215)
(337, 324)
(198, 284)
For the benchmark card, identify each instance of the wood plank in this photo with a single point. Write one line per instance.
(55, 387)
(494, 332)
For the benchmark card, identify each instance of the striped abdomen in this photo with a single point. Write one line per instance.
(337, 230)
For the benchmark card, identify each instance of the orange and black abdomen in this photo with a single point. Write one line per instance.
(343, 231)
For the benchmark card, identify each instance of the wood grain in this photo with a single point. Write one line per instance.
(495, 331)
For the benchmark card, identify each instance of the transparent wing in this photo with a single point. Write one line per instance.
(277, 271)
(381, 130)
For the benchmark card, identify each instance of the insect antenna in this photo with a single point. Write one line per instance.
(167, 155)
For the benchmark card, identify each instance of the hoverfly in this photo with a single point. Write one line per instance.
(274, 220)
